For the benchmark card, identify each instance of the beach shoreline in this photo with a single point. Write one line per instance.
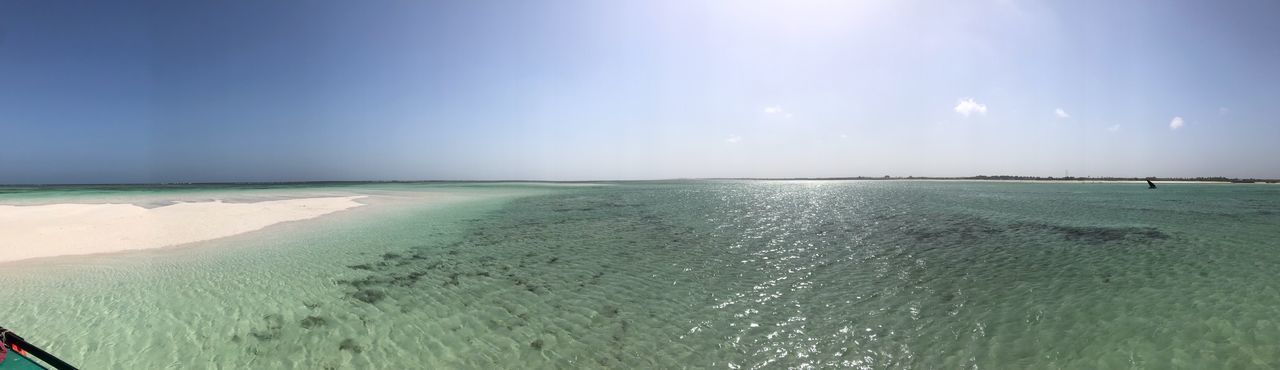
(67, 229)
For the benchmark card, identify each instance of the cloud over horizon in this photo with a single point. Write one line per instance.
(1176, 123)
(967, 107)
(775, 110)
(1061, 113)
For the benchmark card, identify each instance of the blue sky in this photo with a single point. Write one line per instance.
(561, 90)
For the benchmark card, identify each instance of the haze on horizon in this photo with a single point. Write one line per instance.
(206, 91)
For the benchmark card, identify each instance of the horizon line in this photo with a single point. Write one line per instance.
(836, 178)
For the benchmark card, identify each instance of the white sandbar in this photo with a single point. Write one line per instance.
(74, 229)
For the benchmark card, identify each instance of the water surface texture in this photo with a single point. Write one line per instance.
(719, 274)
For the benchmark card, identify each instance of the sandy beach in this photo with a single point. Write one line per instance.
(76, 229)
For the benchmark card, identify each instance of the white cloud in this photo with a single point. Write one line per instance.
(777, 111)
(1176, 123)
(844, 136)
(968, 106)
(1223, 111)
(733, 139)
(1113, 128)
(1061, 113)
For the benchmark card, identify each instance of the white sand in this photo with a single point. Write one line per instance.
(73, 229)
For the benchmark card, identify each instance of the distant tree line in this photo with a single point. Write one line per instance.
(1030, 178)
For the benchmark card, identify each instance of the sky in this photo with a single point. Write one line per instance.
(213, 91)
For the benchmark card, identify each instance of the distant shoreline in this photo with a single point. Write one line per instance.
(1063, 180)
(1209, 180)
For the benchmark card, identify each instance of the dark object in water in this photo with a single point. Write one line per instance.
(314, 321)
(369, 295)
(350, 345)
(1151, 185)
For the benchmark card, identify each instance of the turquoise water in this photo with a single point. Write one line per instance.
(871, 274)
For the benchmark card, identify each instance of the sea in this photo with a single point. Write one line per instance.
(679, 274)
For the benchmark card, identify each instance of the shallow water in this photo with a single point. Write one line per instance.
(869, 274)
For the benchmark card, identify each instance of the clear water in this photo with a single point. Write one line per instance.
(874, 274)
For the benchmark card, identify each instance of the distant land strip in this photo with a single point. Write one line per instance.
(237, 185)
(1217, 179)
(1029, 178)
